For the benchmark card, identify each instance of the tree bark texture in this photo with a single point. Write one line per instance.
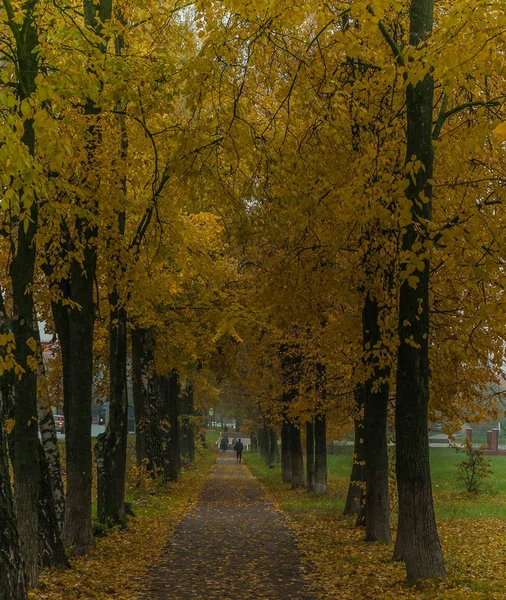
(356, 491)
(110, 449)
(377, 510)
(140, 376)
(273, 447)
(320, 436)
(418, 541)
(12, 575)
(297, 457)
(51, 550)
(51, 449)
(286, 453)
(162, 445)
(310, 456)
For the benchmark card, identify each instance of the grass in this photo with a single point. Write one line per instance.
(471, 526)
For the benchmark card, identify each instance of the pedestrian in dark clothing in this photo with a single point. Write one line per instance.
(238, 450)
(224, 443)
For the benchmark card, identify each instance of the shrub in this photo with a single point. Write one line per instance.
(475, 469)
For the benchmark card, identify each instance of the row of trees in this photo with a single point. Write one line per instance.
(102, 242)
(306, 200)
(365, 185)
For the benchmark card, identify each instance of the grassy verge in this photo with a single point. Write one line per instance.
(116, 565)
(471, 527)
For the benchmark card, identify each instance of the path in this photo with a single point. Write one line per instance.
(232, 545)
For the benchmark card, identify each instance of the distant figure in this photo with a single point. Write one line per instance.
(224, 443)
(238, 447)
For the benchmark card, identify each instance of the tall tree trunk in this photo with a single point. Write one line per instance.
(174, 432)
(49, 440)
(110, 449)
(191, 428)
(264, 443)
(273, 447)
(320, 436)
(297, 457)
(24, 440)
(286, 453)
(377, 511)
(162, 445)
(418, 541)
(51, 550)
(140, 370)
(310, 456)
(356, 490)
(12, 575)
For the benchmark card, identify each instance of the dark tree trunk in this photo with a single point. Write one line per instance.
(254, 443)
(12, 576)
(310, 456)
(286, 453)
(356, 491)
(76, 339)
(185, 424)
(377, 512)
(418, 541)
(174, 432)
(140, 370)
(273, 447)
(110, 449)
(320, 435)
(51, 550)
(264, 442)
(191, 428)
(24, 439)
(162, 432)
(297, 457)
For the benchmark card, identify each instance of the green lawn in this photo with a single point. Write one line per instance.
(450, 498)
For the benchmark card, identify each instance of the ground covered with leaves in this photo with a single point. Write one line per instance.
(232, 544)
(348, 568)
(115, 567)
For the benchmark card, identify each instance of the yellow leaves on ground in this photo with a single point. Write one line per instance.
(117, 564)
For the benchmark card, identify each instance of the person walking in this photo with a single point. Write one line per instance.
(238, 450)
(224, 443)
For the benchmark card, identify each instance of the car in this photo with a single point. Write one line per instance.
(59, 423)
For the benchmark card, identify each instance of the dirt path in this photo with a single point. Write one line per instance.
(233, 544)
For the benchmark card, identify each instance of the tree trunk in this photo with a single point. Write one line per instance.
(110, 449)
(162, 432)
(191, 428)
(12, 576)
(254, 443)
(286, 453)
(377, 511)
(24, 439)
(76, 339)
(140, 369)
(418, 541)
(320, 435)
(51, 550)
(356, 490)
(273, 447)
(297, 457)
(264, 443)
(49, 440)
(310, 456)
(174, 432)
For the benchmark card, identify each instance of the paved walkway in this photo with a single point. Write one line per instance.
(202, 561)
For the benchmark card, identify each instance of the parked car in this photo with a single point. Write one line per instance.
(59, 423)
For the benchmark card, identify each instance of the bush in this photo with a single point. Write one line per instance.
(475, 469)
